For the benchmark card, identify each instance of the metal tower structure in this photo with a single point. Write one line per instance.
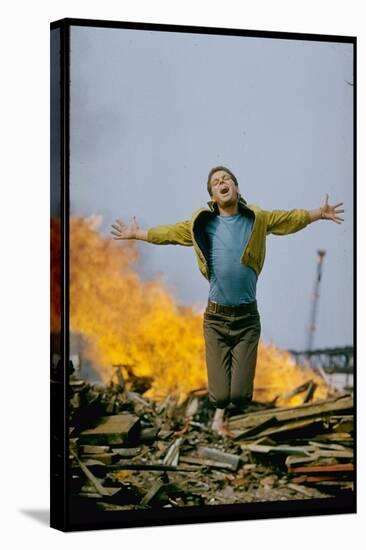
(315, 301)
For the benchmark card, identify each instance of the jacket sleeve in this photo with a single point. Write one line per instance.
(285, 222)
(178, 233)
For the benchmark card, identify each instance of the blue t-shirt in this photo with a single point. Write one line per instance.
(231, 282)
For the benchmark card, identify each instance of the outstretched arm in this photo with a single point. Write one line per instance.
(285, 222)
(327, 212)
(122, 231)
(178, 233)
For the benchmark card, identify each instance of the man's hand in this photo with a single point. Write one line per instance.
(123, 231)
(331, 212)
(327, 212)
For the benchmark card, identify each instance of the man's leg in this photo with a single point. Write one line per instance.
(218, 362)
(244, 359)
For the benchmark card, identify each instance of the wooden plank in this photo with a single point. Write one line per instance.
(255, 430)
(88, 491)
(270, 412)
(96, 467)
(314, 479)
(339, 436)
(150, 467)
(261, 441)
(310, 392)
(153, 491)
(343, 417)
(344, 425)
(304, 450)
(295, 427)
(262, 449)
(287, 413)
(94, 449)
(113, 429)
(334, 454)
(279, 449)
(328, 446)
(326, 469)
(105, 458)
(93, 480)
(295, 391)
(315, 456)
(292, 460)
(314, 409)
(172, 455)
(207, 462)
(339, 483)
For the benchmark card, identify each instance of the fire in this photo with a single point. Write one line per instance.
(55, 275)
(125, 320)
(277, 374)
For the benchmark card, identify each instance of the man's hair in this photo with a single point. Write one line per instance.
(216, 169)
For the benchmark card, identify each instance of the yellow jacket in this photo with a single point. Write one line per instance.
(191, 232)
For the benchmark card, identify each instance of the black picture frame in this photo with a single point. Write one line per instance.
(66, 513)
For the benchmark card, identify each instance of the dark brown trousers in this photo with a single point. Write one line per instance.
(231, 356)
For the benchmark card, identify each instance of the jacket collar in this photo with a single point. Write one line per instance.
(242, 203)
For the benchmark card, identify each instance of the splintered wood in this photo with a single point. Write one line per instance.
(128, 452)
(326, 452)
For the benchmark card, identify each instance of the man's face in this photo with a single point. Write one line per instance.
(223, 188)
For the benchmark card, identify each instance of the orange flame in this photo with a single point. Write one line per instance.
(55, 275)
(128, 321)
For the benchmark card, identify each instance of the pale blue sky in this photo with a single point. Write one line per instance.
(152, 112)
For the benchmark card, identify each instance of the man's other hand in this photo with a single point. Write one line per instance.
(330, 212)
(123, 231)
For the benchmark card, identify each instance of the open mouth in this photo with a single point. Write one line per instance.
(224, 190)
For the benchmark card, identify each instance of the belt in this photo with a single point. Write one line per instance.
(214, 307)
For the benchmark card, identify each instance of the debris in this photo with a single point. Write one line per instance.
(148, 434)
(159, 483)
(93, 449)
(207, 462)
(111, 429)
(309, 392)
(93, 480)
(172, 456)
(214, 454)
(128, 452)
(299, 489)
(318, 469)
(281, 449)
(308, 387)
(152, 467)
(344, 403)
(105, 458)
(295, 428)
(249, 432)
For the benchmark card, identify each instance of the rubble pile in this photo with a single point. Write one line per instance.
(128, 452)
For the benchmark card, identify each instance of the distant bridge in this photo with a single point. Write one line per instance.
(330, 360)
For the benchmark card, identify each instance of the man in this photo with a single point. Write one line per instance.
(229, 241)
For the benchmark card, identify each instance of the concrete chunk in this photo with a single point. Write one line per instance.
(111, 430)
